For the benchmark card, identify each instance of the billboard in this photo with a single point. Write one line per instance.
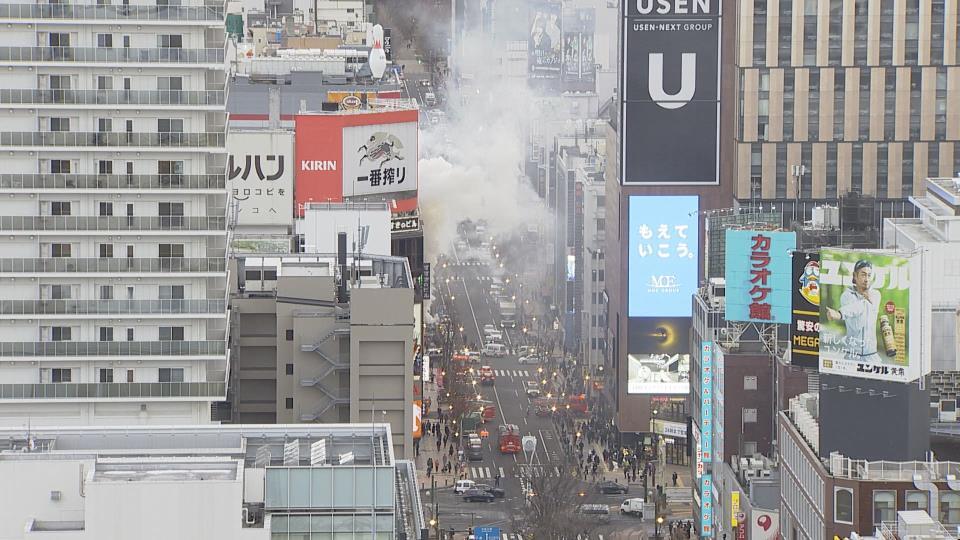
(545, 41)
(380, 158)
(671, 92)
(706, 505)
(706, 402)
(870, 320)
(764, 524)
(318, 160)
(805, 323)
(260, 171)
(663, 335)
(579, 63)
(663, 258)
(758, 275)
(658, 374)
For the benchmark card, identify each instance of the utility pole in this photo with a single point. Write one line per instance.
(798, 172)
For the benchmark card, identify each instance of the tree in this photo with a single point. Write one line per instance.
(550, 506)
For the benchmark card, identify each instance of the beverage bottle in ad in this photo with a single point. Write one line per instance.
(889, 343)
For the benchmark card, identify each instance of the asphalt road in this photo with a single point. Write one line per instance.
(475, 308)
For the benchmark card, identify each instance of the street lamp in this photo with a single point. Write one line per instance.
(659, 523)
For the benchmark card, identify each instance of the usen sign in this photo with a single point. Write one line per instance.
(675, 7)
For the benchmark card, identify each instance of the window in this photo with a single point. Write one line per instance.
(843, 505)
(171, 292)
(289, 403)
(269, 275)
(169, 83)
(917, 500)
(61, 333)
(749, 416)
(60, 166)
(749, 448)
(949, 508)
(171, 374)
(170, 250)
(59, 39)
(106, 209)
(60, 375)
(60, 250)
(104, 125)
(129, 375)
(60, 292)
(105, 375)
(60, 208)
(170, 209)
(104, 82)
(749, 382)
(129, 334)
(106, 333)
(289, 335)
(60, 82)
(59, 124)
(104, 166)
(170, 41)
(252, 275)
(884, 506)
(170, 125)
(106, 251)
(171, 333)
(289, 369)
(106, 292)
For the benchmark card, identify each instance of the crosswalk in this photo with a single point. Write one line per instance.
(511, 372)
(486, 473)
(524, 470)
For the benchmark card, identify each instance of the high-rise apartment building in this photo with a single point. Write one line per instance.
(855, 92)
(113, 219)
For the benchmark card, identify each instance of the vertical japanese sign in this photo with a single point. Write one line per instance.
(579, 64)
(734, 508)
(663, 258)
(380, 158)
(706, 403)
(805, 324)
(544, 49)
(425, 282)
(706, 505)
(260, 172)
(671, 92)
(870, 319)
(758, 275)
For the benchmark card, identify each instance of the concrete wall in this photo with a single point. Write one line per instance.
(26, 493)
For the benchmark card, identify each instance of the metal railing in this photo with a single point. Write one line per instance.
(112, 223)
(111, 54)
(113, 264)
(112, 307)
(110, 138)
(213, 390)
(112, 181)
(113, 348)
(112, 97)
(98, 12)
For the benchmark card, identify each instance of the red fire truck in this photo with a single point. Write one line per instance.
(509, 439)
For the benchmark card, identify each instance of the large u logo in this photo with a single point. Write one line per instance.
(688, 81)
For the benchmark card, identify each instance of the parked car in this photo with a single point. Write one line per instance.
(598, 512)
(478, 495)
(462, 486)
(632, 507)
(612, 487)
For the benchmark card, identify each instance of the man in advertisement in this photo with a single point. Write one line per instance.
(859, 311)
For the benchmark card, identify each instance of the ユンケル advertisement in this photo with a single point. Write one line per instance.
(805, 324)
(869, 316)
(380, 158)
(663, 255)
(545, 46)
(758, 275)
(260, 171)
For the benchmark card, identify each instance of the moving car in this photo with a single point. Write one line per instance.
(498, 493)
(463, 486)
(486, 375)
(531, 359)
(495, 336)
(632, 507)
(532, 388)
(487, 328)
(473, 356)
(478, 495)
(495, 350)
(611, 487)
(598, 512)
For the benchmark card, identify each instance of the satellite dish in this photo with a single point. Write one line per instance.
(377, 59)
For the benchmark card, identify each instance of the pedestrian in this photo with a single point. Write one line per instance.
(674, 479)
(439, 444)
(496, 480)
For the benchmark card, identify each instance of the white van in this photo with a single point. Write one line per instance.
(633, 507)
(495, 336)
(496, 350)
(462, 486)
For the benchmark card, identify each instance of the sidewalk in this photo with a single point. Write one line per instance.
(428, 446)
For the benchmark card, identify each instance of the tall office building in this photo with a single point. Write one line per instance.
(113, 220)
(855, 91)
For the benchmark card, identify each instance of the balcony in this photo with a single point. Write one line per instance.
(111, 139)
(115, 264)
(113, 181)
(113, 307)
(112, 223)
(110, 13)
(112, 55)
(113, 391)
(27, 96)
(112, 348)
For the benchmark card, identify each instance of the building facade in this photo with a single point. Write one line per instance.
(854, 91)
(115, 213)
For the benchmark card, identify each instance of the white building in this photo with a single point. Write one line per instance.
(252, 482)
(113, 219)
